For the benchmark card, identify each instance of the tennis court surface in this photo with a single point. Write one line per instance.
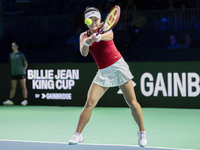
(51, 127)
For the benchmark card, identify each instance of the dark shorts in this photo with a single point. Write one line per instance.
(18, 77)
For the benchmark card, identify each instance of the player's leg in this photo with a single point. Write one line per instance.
(24, 91)
(12, 93)
(130, 97)
(13, 88)
(94, 94)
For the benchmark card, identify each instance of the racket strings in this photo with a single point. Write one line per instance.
(111, 19)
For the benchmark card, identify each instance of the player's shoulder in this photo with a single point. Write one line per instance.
(21, 53)
(83, 34)
(11, 54)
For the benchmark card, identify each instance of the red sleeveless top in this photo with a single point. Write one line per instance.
(104, 53)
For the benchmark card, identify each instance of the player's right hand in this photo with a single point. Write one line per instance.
(90, 40)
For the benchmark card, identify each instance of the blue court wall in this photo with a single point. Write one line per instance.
(157, 84)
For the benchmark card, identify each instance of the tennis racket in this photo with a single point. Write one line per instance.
(111, 20)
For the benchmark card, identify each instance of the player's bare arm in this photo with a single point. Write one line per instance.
(85, 42)
(83, 48)
(107, 36)
(25, 65)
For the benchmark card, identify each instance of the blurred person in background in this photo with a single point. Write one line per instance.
(188, 41)
(174, 44)
(19, 65)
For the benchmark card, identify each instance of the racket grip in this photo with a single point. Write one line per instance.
(96, 34)
(99, 37)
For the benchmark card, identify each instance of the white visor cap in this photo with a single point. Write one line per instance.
(92, 14)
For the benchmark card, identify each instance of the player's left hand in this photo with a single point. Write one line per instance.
(94, 38)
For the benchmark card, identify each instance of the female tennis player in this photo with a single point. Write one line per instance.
(112, 71)
(19, 65)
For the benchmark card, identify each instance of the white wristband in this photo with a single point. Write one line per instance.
(99, 38)
(86, 44)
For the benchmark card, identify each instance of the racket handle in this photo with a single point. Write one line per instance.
(97, 34)
(99, 37)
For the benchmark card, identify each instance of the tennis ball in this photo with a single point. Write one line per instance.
(88, 21)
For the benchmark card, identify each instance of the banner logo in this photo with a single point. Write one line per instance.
(47, 79)
(184, 84)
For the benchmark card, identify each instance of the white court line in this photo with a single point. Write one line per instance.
(5, 140)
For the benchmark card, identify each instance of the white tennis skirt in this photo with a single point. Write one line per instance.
(115, 75)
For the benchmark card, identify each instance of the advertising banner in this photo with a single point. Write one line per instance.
(156, 84)
(167, 84)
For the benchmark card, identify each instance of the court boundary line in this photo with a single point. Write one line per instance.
(46, 142)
